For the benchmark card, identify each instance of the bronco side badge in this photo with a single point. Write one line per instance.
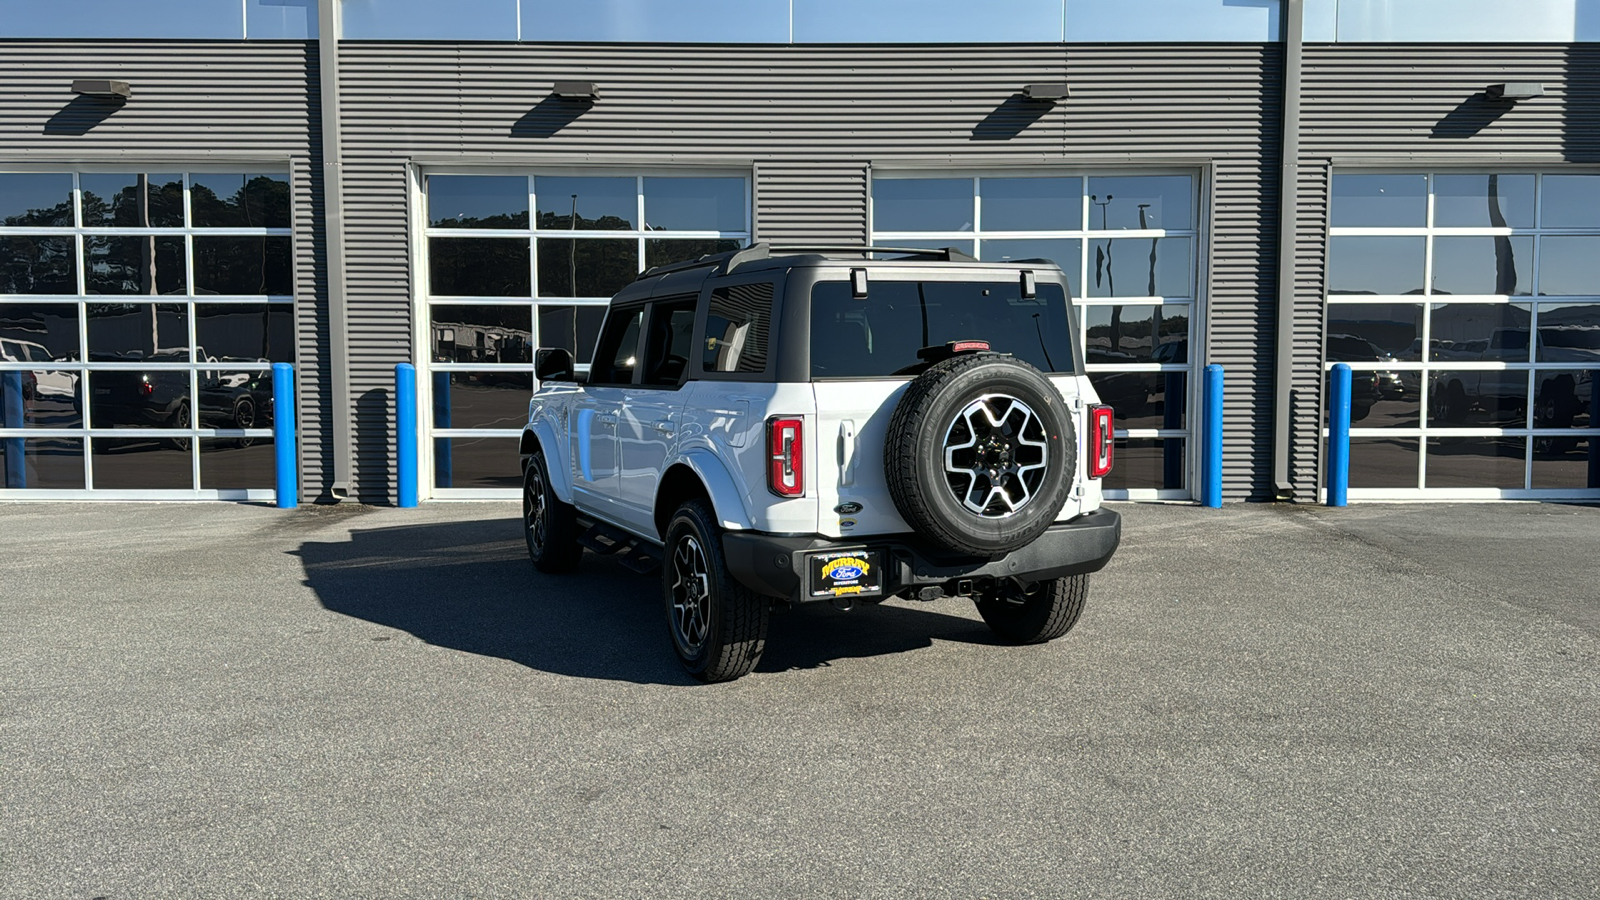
(848, 508)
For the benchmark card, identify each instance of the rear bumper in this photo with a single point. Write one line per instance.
(775, 565)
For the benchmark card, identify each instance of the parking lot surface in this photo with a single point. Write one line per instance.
(212, 700)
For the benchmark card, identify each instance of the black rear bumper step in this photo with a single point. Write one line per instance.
(775, 565)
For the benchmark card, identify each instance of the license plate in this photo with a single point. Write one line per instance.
(847, 573)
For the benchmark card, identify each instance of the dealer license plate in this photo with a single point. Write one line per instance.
(848, 573)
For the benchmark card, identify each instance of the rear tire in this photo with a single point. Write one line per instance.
(1044, 615)
(717, 625)
(549, 526)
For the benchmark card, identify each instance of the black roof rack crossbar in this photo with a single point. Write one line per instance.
(949, 254)
(727, 259)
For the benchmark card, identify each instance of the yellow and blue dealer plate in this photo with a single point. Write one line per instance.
(848, 573)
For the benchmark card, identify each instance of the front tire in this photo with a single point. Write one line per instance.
(1047, 613)
(717, 625)
(549, 526)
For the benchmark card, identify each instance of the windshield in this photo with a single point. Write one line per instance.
(881, 335)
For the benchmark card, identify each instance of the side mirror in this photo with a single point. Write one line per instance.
(553, 364)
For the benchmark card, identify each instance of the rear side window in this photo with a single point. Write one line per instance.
(737, 325)
(881, 335)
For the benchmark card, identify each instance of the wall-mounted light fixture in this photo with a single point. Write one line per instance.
(582, 91)
(102, 88)
(1046, 93)
(1515, 90)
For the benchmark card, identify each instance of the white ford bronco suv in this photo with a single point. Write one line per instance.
(782, 426)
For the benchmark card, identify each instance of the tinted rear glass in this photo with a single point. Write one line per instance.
(881, 335)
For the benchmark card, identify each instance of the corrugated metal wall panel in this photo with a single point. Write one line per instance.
(1421, 106)
(809, 202)
(810, 120)
(192, 101)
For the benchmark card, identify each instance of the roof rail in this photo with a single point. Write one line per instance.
(949, 254)
(727, 259)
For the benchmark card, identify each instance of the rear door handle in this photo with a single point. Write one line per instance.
(665, 426)
(606, 419)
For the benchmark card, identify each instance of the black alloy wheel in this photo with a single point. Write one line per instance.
(717, 625)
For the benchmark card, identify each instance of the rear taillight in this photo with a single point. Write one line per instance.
(1102, 437)
(786, 463)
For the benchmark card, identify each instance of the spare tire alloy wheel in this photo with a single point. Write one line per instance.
(980, 454)
(995, 455)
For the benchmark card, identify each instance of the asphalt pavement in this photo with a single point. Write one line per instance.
(217, 700)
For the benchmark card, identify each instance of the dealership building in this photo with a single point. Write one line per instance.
(191, 192)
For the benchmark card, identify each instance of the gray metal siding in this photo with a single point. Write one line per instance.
(1419, 106)
(809, 121)
(811, 202)
(193, 101)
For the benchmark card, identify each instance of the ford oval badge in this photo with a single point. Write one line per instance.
(847, 509)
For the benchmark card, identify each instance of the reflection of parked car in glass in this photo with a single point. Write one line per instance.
(1126, 392)
(1366, 386)
(235, 399)
(40, 383)
(1558, 396)
(139, 398)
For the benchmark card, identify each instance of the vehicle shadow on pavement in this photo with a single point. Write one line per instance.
(468, 586)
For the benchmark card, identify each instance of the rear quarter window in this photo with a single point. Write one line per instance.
(738, 325)
(880, 335)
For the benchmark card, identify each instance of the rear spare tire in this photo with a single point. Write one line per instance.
(980, 454)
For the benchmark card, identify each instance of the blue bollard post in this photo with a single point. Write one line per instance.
(1339, 437)
(442, 463)
(283, 438)
(1211, 488)
(405, 427)
(11, 409)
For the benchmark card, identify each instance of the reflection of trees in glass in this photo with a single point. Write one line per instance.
(58, 216)
(666, 252)
(243, 265)
(566, 222)
(600, 267)
(479, 267)
(260, 202)
(139, 204)
(133, 264)
(517, 221)
(38, 265)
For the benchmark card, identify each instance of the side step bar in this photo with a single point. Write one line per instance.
(606, 540)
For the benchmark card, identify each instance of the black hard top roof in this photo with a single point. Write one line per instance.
(765, 256)
(690, 275)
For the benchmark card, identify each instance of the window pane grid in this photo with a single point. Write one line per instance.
(203, 427)
(1079, 212)
(1499, 375)
(571, 274)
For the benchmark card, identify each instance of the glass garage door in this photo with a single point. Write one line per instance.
(140, 314)
(517, 262)
(1128, 243)
(1467, 305)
